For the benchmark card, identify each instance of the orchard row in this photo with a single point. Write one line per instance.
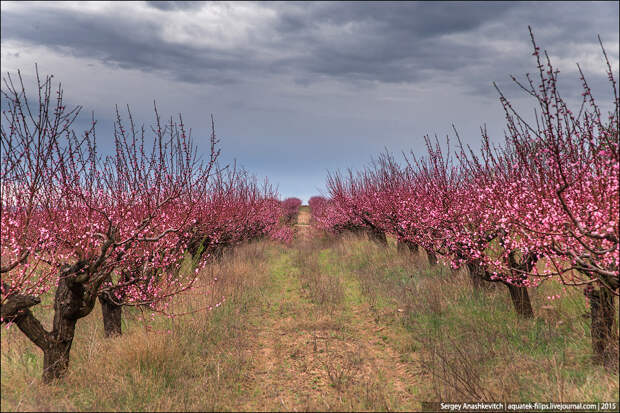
(543, 205)
(82, 226)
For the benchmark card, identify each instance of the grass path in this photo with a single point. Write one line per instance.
(320, 346)
(303, 229)
(303, 218)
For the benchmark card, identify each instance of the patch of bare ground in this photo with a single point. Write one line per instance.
(303, 229)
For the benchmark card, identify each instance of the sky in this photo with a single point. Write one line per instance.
(298, 89)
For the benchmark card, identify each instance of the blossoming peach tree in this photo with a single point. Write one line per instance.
(568, 179)
(74, 223)
(290, 207)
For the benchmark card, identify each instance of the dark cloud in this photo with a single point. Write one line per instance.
(368, 41)
(176, 5)
(388, 41)
(416, 19)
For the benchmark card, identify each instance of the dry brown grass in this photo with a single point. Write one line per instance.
(189, 363)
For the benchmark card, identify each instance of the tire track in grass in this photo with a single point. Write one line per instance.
(303, 229)
(313, 356)
(374, 335)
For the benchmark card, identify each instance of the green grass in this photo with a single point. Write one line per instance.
(546, 358)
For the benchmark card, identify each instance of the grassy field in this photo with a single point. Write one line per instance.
(325, 324)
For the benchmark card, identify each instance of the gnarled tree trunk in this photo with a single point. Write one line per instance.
(111, 312)
(56, 355)
(432, 257)
(407, 246)
(519, 294)
(602, 312)
(112, 316)
(477, 274)
(521, 301)
(71, 303)
(376, 235)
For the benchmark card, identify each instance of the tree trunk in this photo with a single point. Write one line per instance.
(521, 301)
(476, 274)
(195, 246)
(604, 344)
(72, 302)
(401, 246)
(112, 316)
(377, 235)
(55, 345)
(432, 258)
(56, 355)
(407, 246)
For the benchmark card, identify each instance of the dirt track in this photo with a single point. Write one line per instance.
(302, 227)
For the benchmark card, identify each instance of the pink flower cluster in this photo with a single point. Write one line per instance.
(237, 209)
(283, 234)
(290, 206)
